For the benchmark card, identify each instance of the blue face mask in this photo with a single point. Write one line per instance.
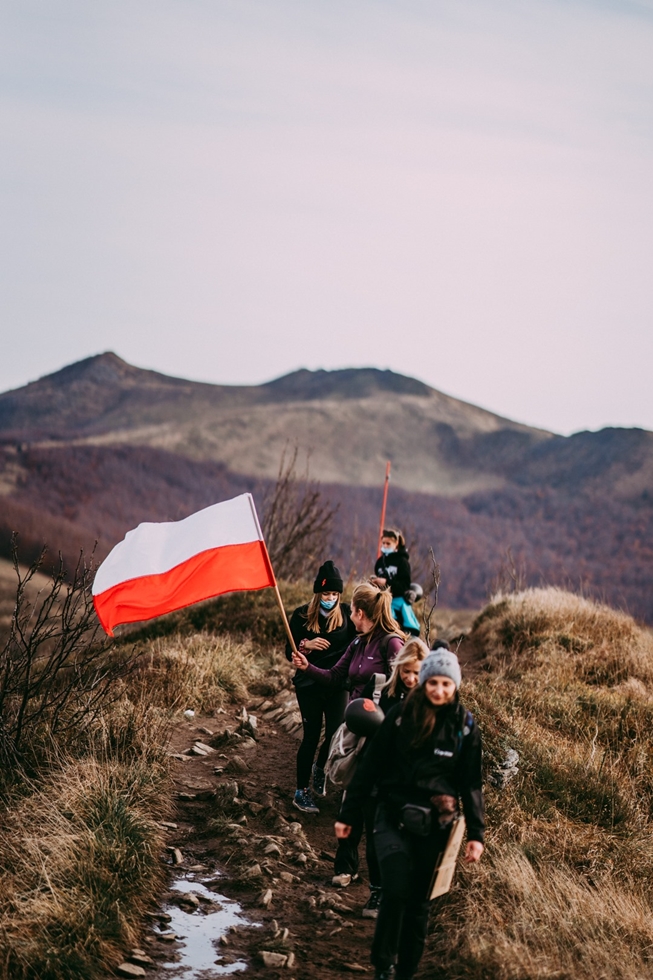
(387, 551)
(328, 605)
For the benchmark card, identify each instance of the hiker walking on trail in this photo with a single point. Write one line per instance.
(404, 676)
(424, 759)
(372, 652)
(322, 630)
(403, 679)
(392, 571)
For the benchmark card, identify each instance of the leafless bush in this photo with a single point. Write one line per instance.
(56, 672)
(510, 576)
(430, 596)
(297, 521)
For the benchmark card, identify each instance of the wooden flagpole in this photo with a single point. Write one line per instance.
(291, 639)
(383, 507)
(277, 594)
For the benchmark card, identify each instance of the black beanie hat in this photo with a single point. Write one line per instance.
(328, 579)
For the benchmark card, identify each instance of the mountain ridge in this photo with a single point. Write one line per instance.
(349, 421)
(94, 449)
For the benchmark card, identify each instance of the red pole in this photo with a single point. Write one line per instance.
(385, 501)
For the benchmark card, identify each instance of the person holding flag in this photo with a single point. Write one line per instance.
(322, 630)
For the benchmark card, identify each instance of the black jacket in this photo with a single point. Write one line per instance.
(448, 763)
(338, 638)
(395, 569)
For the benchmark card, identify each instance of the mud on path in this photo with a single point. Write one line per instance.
(287, 888)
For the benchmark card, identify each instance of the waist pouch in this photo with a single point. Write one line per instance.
(416, 819)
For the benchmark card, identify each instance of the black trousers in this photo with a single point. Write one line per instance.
(347, 851)
(407, 863)
(317, 703)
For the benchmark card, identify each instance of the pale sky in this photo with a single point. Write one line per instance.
(227, 191)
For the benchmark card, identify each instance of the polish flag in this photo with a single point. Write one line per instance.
(158, 568)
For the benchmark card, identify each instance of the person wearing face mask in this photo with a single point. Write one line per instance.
(392, 571)
(424, 761)
(322, 630)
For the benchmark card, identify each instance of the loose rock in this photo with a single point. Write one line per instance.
(237, 764)
(141, 959)
(265, 898)
(270, 959)
(132, 970)
(203, 747)
(189, 899)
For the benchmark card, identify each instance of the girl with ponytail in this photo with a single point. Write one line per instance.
(378, 642)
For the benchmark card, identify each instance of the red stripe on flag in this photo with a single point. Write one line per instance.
(232, 568)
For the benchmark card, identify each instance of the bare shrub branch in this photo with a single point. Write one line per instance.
(56, 671)
(297, 521)
(510, 577)
(431, 596)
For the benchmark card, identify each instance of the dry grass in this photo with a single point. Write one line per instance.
(565, 890)
(79, 857)
(203, 671)
(79, 842)
(564, 637)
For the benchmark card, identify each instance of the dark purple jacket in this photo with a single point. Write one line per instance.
(362, 658)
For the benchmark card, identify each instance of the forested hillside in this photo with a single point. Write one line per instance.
(74, 495)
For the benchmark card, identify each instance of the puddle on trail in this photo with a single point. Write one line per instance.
(197, 955)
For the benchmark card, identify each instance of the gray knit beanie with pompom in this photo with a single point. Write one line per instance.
(440, 663)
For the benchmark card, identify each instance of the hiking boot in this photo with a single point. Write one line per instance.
(371, 907)
(304, 801)
(343, 880)
(387, 974)
(319, 781)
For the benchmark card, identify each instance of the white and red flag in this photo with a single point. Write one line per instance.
(158, 568)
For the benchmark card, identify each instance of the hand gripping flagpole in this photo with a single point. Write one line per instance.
(284, 617)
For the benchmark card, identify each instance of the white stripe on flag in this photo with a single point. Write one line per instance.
(151, 549)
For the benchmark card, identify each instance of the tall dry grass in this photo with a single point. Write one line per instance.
(79, 859)
(204, 671)
(79, 841)
(565, 889)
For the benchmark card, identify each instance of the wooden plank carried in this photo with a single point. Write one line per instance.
(446, 866)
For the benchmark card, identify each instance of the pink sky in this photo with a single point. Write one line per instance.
(227, 191)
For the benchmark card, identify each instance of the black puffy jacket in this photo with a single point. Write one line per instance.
(448, 763)
(339, 640)
(395, 569)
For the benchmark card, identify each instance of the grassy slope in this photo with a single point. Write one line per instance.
(80, 844)
(565, 888)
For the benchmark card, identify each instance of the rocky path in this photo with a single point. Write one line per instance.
(262, 854)
(275, 862)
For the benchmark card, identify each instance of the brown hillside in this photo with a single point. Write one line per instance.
(350, 421)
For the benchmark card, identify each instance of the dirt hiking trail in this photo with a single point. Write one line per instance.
(273, 860)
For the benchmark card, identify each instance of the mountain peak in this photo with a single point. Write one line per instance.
(344, 383)
(106, 368)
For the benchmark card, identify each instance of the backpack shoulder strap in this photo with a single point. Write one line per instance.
(379, 683)
(385, 642)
